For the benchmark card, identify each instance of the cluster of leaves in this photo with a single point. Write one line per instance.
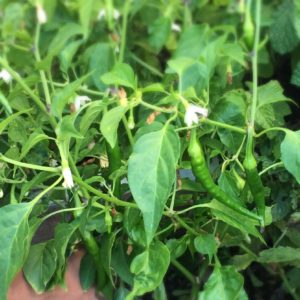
(100, 88)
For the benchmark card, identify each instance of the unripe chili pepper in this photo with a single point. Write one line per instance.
(253, 179)
(248, 28)
(202, 173)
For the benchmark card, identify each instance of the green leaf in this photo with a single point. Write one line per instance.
(290, 154)
(63, 234)
(9, 119)
(159, 32)
(231, 217)
(85, 9)
(280, 254)
(227, 183)
(66, 128)
(32, 140)
(270, 93)
(110, 123)
(62, 37)
(180, 64)
(5, 103)
(87, 272)
(231, 109)
(296, 75)
(62, 97)
(149, 269)
(225, 283)
(177, 247)
(14, 241)
(122, 74)
(40, 265)
(206, 244)
(101, 60)
(151, 174)
(67, 54)
(283, 34)
(187, 46)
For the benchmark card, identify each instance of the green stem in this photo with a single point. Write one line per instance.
(124, 30)
(216, 124)
(29, 166)
(271, 129)
(290, 289)
(38, 59)
(184, 225)
(128, 131)
(190, 208)
(105, 197)
(188, 275)
(273, 166)
(157, 108)
(153, 70)
(255, 64)
(81, 89)
(62, 211)
(28, 90)
(44, 192)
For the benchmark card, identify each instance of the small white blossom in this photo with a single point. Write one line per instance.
(116, 14)
(102, 14)
(41, 14)
(80, 100)
(68, 179)
(176, 27)
(5, 76)
(191, 114)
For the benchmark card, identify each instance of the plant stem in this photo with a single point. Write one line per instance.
(188, 275)
(255, 65)
(105, 197)
(271, 129)
(275, 165)
(61, 211)
(153, 70)
(157, 108)
(124, 30)
(29, 166)
(290, 289)
(38, 59)
(214, 123)
(81, 89)
(184, 225)
(128, 131)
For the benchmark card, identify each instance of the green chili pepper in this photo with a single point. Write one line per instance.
(248, 28)
(253, 179)
(202, 173)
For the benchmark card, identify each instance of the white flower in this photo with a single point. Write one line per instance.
(80, 100)
(102, 14)
(5, 76)
(116, 14)
(191, 114)
(176, 27)
(68, 179)
(41, 14)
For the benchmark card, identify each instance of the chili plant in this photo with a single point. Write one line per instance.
(160, 134)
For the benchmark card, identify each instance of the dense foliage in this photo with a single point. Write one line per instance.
(164, 136)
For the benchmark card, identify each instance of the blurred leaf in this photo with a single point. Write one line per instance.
(283, 34)
(159, 32)
(280, 254)
(296, 75)
(290, 153)
(121, 74)
(224, 283)
(40, 265)
(85, 9)
(87, 272)
(149, 268)
(15, 242)
(206, 244)
(110, 123)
